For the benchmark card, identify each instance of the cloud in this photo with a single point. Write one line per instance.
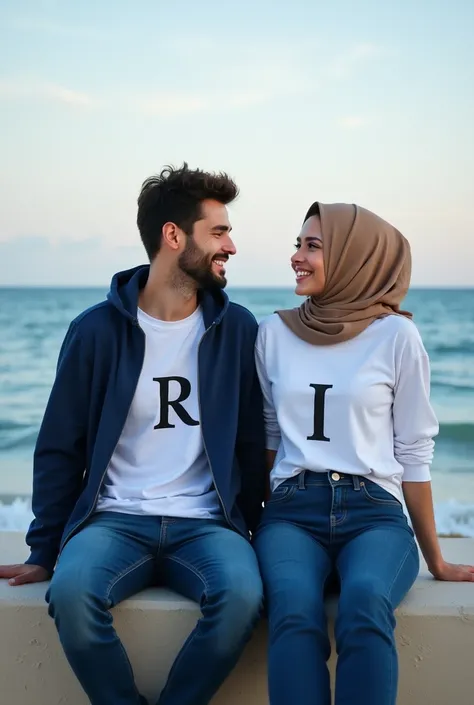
(13, 90)
(260, 76)
(45, 26)
(172, 104)
(348, 62)
(87, 262)
(352, 122)
(252, 83)
(175, 104)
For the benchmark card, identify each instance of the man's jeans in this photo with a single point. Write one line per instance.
(115, 556)
(313, 525)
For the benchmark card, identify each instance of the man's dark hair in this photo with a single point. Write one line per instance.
(175, 196)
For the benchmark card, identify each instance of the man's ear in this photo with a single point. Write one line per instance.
(171, 235)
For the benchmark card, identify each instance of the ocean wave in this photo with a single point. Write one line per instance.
(463, 347)
(453, 385)
(452, 516)
(8, 425)
(456, 433)
(23, 441)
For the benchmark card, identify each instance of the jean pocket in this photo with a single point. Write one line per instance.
(282, 493)
(376, 494)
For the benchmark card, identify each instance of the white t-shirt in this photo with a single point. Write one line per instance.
(360, 407)
(159, 466)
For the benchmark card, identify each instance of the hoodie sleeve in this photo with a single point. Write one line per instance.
(250, 445)
(60, 453)
(414, 421)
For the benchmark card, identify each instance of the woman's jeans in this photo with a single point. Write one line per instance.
(314, 525)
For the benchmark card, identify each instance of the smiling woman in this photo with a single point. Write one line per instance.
(308, 261)
(350, 434)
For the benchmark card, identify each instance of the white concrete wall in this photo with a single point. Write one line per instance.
(435, 638)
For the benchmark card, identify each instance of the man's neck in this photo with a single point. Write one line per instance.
(164, 300)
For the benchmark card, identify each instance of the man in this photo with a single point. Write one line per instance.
(150, 457)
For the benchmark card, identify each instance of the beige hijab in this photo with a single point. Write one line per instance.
(367, 263)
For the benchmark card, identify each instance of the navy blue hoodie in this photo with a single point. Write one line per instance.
(98, 369)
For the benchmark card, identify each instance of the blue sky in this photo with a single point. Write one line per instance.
(368, 102)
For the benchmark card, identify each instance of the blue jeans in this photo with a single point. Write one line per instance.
(314, 526)
(115, 556)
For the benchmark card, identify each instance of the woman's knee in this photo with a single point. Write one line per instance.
(292, 602)
(364, 603)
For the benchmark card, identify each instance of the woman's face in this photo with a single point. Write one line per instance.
(308, 261)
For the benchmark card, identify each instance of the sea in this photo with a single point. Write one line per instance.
(33, 322)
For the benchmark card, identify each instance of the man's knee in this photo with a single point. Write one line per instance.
(235, 602)
(240, 592)
(75, 606)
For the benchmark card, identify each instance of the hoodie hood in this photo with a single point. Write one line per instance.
(125, 289)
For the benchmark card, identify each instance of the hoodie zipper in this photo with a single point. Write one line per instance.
(226, 516)
(82, 522)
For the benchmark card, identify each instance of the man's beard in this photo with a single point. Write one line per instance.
(198, 266)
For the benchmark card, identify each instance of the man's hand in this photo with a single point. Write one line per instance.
(22, 573)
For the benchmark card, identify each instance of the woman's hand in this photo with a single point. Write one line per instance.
(419, 503)
(453, 572)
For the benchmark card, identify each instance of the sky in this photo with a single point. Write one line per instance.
(364, 102)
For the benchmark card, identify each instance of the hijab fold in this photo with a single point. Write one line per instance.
(367, 264)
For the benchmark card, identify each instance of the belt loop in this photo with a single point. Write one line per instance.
(301, 478)
(356, 482)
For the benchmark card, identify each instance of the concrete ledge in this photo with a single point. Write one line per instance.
(435, 641)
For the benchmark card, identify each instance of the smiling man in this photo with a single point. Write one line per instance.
(149, 464)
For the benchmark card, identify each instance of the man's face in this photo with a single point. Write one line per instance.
(209, 247)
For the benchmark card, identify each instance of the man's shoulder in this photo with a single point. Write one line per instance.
(95, 319)
(240, 315)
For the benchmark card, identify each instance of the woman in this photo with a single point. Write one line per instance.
(349, 432)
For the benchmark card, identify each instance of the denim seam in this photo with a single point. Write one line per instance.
(163, 534)
(383, 502)
(127, 660)
(111, 586)
(125, 572)
(343, 506)
(402, 563)
(190, 567)
(193, 634)
(342, 518)
(160, 539)
(331, 517)
(290, 492)
(400, 567)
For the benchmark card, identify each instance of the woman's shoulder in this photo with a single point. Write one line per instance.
(270, 322)
(404, 332)
(270, 328)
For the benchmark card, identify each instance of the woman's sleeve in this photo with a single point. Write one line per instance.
(414, 421)
(272, 429)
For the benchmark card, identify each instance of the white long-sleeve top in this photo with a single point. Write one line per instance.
(360, 407)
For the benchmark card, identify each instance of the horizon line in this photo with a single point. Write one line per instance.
(448, 287)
